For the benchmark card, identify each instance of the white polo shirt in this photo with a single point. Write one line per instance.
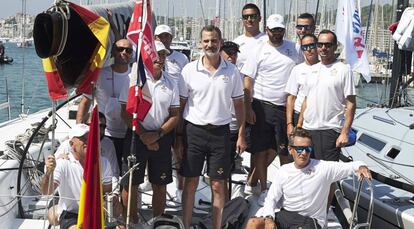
(247, 45)
(164, 95)
(296, 83)
(68, 174)
(109, 86)
(272, 70)
(301, 57)
(174, 64)
(209, 95)
(326, 90)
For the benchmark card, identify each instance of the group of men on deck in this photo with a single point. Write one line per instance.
(260, 89)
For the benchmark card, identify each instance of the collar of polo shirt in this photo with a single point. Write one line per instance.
(200, 66)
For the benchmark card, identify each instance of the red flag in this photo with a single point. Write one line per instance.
(140, 34)
(91, 214)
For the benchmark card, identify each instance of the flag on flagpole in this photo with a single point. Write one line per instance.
(99, 27)
(140, 34)
(349, 33)
(91, 213)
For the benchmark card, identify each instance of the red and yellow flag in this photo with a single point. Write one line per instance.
(91, 213)
(100, 29)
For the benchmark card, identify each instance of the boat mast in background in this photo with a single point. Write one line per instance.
(398, 63)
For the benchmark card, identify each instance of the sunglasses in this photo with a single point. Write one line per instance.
(126, 49)
(276, 30)
(308, 47)
(326, 44)
(306, 27)
(301, 149)
(250, 16)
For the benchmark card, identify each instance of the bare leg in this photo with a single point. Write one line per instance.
(134, 211)
(158, 199)
(52, 215)
(261, 159)
(218, 188)
(252, 177)
(190, 186)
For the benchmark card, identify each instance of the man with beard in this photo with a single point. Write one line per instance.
(211, 85)
(108, 90)
(266, 82)
(297, 80)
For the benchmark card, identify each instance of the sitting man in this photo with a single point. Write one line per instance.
(303, 185)
(67, 174)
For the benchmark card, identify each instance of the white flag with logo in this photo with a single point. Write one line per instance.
(349, 33)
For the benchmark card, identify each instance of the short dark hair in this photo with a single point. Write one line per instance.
(309, 35)
(211, 28)
(327, 31)
(251, 6)
(307, 16)
(299, 132)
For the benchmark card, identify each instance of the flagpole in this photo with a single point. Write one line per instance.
(131, 157)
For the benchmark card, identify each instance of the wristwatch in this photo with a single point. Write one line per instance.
(269, 217)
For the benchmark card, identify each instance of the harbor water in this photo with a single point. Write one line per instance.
(27, 67)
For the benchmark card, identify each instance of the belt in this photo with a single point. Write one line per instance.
(271, 104)
(209, 126)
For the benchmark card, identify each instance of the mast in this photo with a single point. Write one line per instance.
(398, 63)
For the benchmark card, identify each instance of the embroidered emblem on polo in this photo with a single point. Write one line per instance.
(163, 176)
(220, 171)
(225, 78)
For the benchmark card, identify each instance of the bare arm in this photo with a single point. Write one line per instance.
(290, 103)
(248, 95)
(83, 109)
(179, 144)
(44, 184)
(342, 140)
(126, 116)
(302, 111)
(240, 116)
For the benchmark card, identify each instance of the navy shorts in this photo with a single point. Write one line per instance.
(269, 131)
(207, 142)
(324, 143)
(67, 219)
(159, 162)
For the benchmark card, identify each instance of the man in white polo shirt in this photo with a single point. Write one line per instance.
(154, 138)
(212, 83)
(67, 175)
(297, 81)
(274, 61)
(108, 89)
(174, 64)
(305, 24)
(252, 37)
(329, 106)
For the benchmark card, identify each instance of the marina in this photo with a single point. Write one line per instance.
(383, 125)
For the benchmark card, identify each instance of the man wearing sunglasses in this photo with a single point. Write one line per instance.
(297, 80)
(267, 80)
(252, 36)
(303, 185)
(329, 106)
(305, 24)
(109, 85)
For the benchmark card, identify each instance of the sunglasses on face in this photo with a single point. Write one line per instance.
(277, 30)
(126, 49)
(308, 47)
(250, 16)
(326, 44)
(301, 149)
(306, 27)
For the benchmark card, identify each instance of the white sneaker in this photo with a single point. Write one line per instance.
(252, 190)
(262, 197)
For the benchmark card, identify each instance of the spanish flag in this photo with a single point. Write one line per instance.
(100, 28)
(91, 213)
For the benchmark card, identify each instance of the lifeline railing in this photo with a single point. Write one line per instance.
(354, 223)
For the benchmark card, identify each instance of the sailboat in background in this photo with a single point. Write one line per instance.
(22, 41)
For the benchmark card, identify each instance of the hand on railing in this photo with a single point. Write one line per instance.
(363, 171)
